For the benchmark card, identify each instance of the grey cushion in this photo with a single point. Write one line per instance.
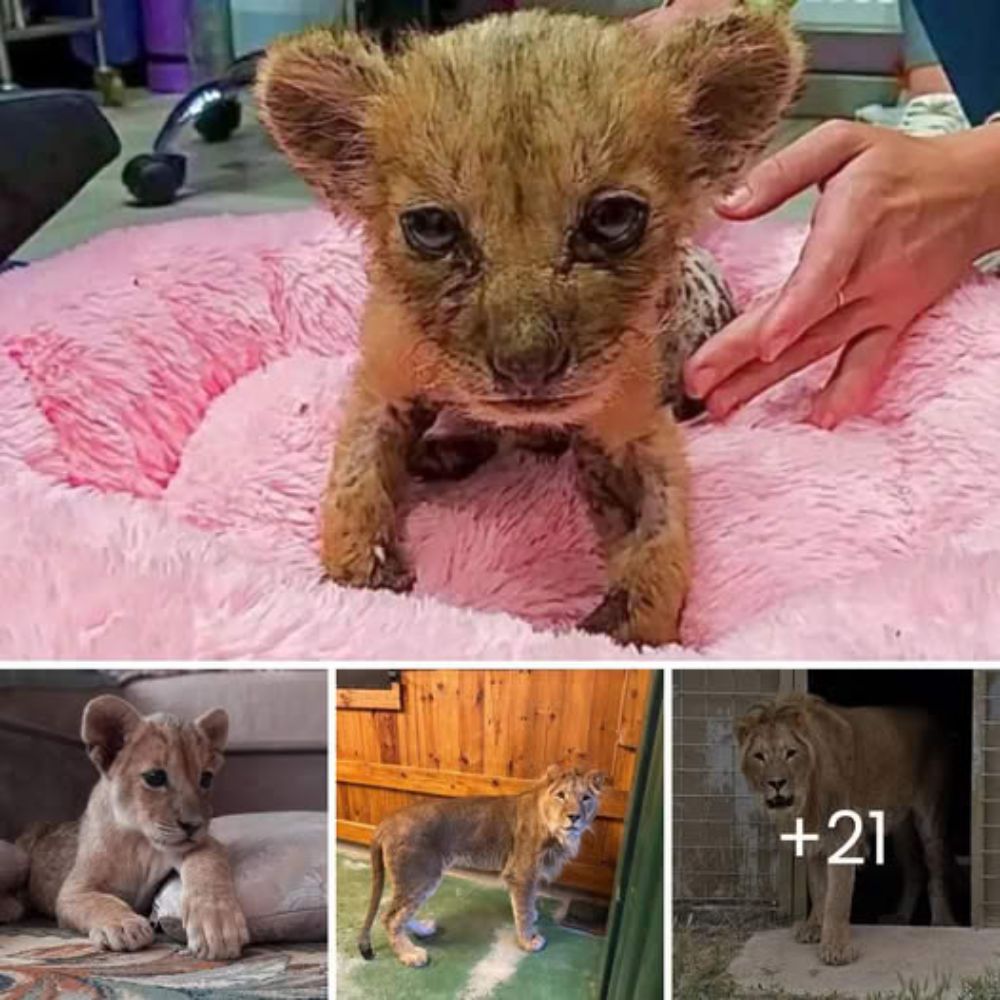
(279, 865)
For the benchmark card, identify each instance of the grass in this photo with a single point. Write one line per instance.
(701, 957)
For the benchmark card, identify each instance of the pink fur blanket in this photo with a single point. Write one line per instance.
(167, 400)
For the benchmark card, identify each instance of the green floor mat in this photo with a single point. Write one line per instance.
(472, 957)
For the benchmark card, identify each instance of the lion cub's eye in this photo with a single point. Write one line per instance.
(206, 779)
(613, 223)
(587, 797)
(430, 230)
(759, 756)
(560, 795)
(789, 754)
(156, 778)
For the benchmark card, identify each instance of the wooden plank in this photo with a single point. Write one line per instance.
(452, 784)
(635, 693)
(360, 698)
(594, 878)
(471, 724)
(387, 730)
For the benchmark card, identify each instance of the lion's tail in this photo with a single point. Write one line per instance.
(378, 884)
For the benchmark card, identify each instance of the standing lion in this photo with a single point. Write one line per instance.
(807, 758)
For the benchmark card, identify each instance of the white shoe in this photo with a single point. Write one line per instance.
(933, 114)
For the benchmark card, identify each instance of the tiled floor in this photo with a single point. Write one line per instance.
(242, 175)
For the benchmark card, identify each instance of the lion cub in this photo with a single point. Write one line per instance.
(528, 185)
(147, 816)
(527, 838)
(810, 759)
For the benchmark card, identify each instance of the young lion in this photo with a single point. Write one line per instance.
(527, 838)
(528, 185)
(807, 758)
(147, 816)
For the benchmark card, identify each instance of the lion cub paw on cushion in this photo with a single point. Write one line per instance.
(528, 186)
(808, 759)
(147, 816)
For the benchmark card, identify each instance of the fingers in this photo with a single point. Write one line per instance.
(725, 353)
(756, 376)
(862, 368)
(807, 161)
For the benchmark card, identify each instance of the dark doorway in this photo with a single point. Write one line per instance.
(947, 695)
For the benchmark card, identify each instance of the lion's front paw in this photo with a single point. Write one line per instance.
(128, 933)
(837, 949)
(534, 943)
(808, 932)
(414, 957)
(628, 618)
(216, 928)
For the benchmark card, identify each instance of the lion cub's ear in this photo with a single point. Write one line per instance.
(736, 75)
(595, 780)
(313, 91)
(553, 773)
(107, 723)
(215, 726)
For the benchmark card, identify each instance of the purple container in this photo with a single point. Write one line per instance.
(165, 33)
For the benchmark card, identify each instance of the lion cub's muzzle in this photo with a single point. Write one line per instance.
(779, 797)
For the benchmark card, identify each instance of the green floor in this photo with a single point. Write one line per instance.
(472, 957)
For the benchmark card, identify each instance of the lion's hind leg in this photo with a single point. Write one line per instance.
(412, 885)
(932, 828)
(906, 846)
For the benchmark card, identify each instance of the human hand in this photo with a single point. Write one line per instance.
(897, 225)
(664, 18)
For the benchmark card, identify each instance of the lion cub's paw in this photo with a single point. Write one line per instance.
(414, 957)
(808, 932)
(381, 567)
(422, 928)
(129, 933)
(216, 928)
(628, 622)
(838, 951)
(535, 943)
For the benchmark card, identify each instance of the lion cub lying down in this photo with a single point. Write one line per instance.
(147, 817)
(528, 187)
(808, 758)
(527, 838)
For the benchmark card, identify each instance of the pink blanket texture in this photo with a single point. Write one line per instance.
(169, 395)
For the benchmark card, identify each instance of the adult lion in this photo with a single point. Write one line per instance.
(807, 758)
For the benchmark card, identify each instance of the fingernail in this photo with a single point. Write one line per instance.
(736, 198)
(700, 380)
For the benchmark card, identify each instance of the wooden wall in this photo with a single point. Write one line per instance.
(480, 732)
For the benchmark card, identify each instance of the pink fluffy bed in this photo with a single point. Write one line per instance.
(167, 400)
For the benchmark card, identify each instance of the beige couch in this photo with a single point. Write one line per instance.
(276, 759)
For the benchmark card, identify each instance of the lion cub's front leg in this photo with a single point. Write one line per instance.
(109, 922)
(360, 534)
(213, 919)
(637, 492)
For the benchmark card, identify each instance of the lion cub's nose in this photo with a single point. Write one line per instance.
(189, 828)
(778, 785)
(573, 817)
(528, 368)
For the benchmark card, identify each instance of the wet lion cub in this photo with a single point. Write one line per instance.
(526, 837)
(147, 817)
(528, 185)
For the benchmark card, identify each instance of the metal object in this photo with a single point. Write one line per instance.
(14, 27)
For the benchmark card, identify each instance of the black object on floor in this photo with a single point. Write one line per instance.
(584, 915)
(53, 143)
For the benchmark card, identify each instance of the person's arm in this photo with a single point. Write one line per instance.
(896, 227)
